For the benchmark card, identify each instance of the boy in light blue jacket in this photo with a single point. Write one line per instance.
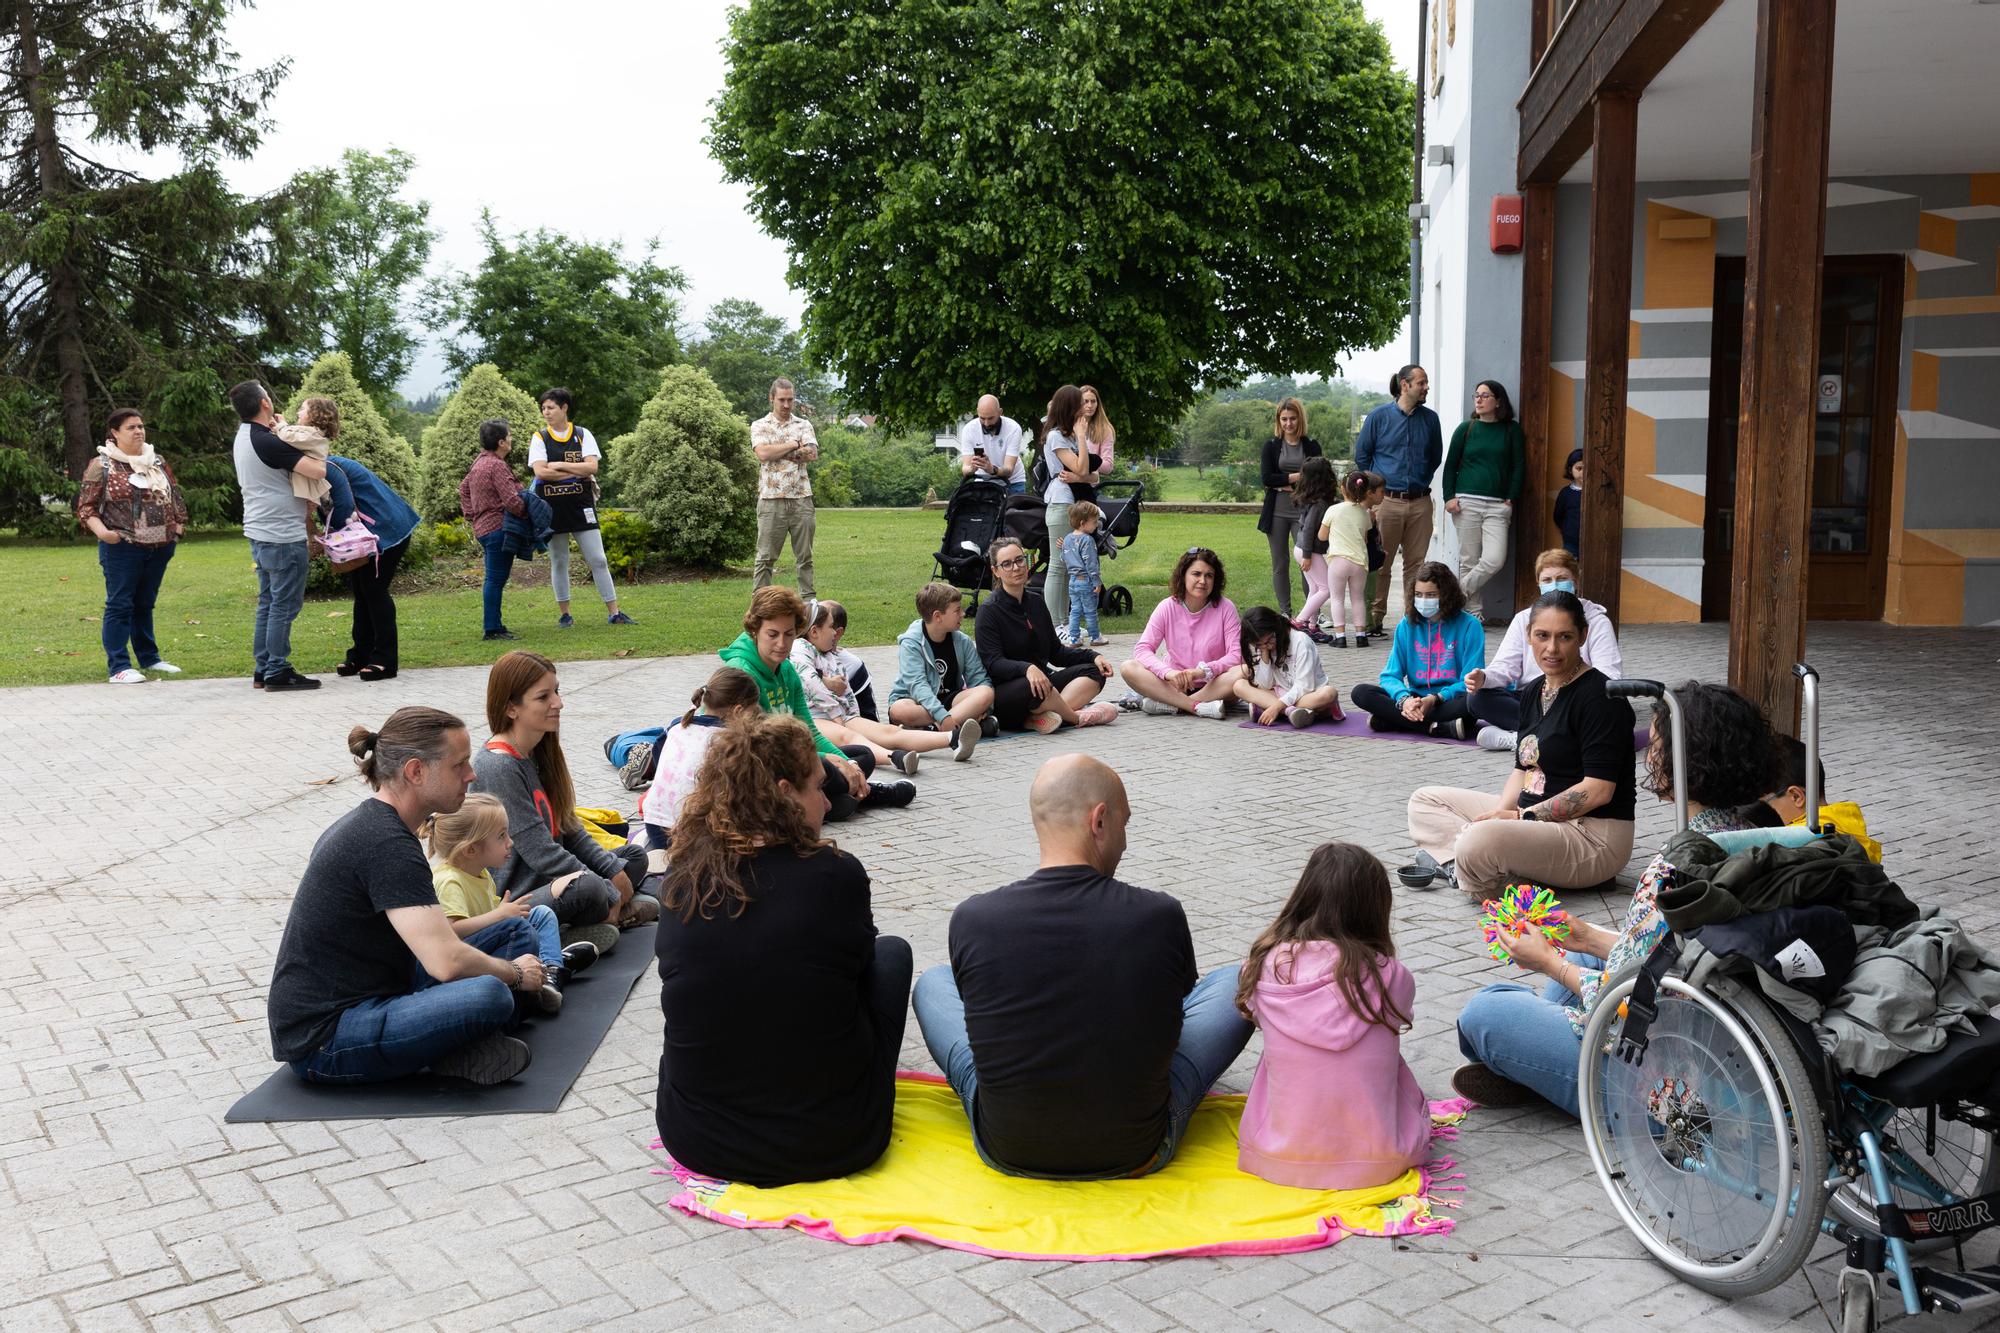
(1422, 686)
(940, 681)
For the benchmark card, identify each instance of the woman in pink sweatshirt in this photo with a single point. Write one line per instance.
(1189, 643)
(1332, 1106)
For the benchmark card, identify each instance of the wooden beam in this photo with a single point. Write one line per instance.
(1531, 385)
(1614, 150)
(1603, 46)
(1792, 109)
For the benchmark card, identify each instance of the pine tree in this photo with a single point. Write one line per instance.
(452, 441)
(688, 469)
(364, 436)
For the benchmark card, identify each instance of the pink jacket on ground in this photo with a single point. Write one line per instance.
(1333, 1106)
(1177, 639)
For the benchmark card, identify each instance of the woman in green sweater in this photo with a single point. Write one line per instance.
(1482, 478)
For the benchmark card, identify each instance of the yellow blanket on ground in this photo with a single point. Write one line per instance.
(930, 1185)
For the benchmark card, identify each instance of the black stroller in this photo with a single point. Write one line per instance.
(980, 512)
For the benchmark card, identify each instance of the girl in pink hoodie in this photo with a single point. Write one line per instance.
(1333, 1106)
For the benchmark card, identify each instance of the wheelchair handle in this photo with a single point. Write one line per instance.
(1653, 689)
(1809, 725)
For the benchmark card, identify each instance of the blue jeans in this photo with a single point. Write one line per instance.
(378, 1040)
(132, 577)
(499, 564)
(1018, 486)
(1082, 607)
(1212, 1035)
(1525, 1035)
(506, 939)
(281, 590)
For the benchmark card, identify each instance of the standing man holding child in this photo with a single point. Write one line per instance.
(1404, 442)
(274, 519)
(784, 444)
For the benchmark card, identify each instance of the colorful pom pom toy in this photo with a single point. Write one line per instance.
(1519, 907)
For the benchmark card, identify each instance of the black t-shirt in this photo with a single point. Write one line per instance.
(571, 499)
(954, 679)
(339, 948)
(1585, 734)
(768, 1073)
(1073, 984)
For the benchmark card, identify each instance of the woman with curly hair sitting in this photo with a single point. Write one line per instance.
(784, 1009)
(1526, 1042)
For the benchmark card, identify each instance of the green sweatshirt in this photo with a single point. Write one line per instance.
(780, 689)
(1486, 458)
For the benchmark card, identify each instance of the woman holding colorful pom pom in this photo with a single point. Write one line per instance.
(1526, 1042)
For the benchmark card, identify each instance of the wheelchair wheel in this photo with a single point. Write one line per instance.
(1713, 1148)
(1964, 1163)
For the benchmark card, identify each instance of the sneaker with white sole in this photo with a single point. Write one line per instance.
(905, 761)
(964, 738)
(165, 668)
(130, 676)
(1493, 738)
(1301, 717)
(1213, 710)
(1154, 708)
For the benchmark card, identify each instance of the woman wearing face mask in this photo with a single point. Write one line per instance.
(1498, 689)
(1437, 646)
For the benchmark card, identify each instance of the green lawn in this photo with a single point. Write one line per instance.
(872, 560)
(1181, 485)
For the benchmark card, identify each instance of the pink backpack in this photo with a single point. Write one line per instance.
(351, 545)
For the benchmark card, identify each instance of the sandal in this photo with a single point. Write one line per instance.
(346, 668)
(374, 672)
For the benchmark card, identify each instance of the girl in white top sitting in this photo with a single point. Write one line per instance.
(1494, 692)
(1281, 675)
(841, 700)
(728, 696)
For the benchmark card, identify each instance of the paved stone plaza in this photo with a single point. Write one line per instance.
(154, 838)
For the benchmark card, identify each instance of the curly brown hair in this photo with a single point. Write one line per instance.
(1177, 582)
(736, 810)
(322, 414)
(1451, 597)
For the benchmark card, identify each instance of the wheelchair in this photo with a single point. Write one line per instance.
(1729, 1145)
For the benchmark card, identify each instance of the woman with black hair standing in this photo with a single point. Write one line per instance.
(1483, 470)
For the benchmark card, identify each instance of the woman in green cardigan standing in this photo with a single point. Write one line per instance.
(1482, 478)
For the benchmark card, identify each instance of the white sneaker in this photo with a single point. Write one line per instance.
(1062, 636)
(129, 676)
(165, 668)
(1492, 738)
(1211, 710)
(1155, 708)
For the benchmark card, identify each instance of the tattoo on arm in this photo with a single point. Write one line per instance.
(1572, 804)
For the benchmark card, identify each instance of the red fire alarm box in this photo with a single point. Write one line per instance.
(1506, 224)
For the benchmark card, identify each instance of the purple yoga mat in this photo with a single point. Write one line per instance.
(1355, 723)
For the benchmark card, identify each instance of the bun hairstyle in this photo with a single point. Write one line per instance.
(729, 688)
(1357, 485)
(410, 733)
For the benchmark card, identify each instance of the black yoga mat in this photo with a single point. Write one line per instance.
(562, 1046)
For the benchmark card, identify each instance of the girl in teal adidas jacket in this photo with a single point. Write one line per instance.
(1422, 686)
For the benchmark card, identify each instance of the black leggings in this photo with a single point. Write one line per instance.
(1372, 699)
(1499, 708)
(840, 801)
(1013, 700)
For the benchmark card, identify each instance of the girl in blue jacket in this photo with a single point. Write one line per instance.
(1423, 683)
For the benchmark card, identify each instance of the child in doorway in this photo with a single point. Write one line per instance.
(1790, 800)
(1344, 536)
(469, 845)
(1281, 675)
(1332, 1105)
(1312, 495)
(728, 696)
(1569, 505)
(1079, 550)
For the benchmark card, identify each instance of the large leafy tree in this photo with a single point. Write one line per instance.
(549, 310)
(744, 347)
(116, 286)
(1009, 194)
(368, 247)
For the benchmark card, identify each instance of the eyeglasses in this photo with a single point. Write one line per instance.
(1015, 563)
(1481, 394)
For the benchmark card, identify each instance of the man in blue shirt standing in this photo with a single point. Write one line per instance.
(1402, 441)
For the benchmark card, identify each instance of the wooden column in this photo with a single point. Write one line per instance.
(1792, 107)
(1532, 527)
(1614, 146)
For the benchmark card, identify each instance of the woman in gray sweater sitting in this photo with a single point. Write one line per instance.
(591, 888)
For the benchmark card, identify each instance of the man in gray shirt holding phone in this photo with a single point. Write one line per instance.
(989, 448)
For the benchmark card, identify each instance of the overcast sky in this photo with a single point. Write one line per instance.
(585, 117)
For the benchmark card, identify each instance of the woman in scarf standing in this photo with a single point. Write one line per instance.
(131, 503)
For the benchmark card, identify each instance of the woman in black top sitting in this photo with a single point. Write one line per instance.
(1564, 818)
(784, 1009)
(1038, 684)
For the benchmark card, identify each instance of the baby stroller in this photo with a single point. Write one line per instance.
(979, 512)
(1729, 1142)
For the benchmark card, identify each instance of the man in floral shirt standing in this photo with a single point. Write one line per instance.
(784, 444)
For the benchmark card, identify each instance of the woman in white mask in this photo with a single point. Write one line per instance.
(1498, 688)
(1437, 645)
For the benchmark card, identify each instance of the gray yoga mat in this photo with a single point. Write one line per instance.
(562, 1046)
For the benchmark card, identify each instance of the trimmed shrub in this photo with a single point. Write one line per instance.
(452, 441)
(687, 468)
(364, 436)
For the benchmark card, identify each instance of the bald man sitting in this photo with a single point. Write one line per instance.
(1070, 1022)
(989, 448)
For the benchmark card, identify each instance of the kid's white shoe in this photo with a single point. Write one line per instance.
(165, 668)
(129, 676)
